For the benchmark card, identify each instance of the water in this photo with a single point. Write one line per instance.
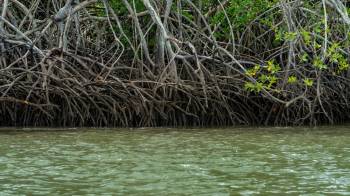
(242, 161)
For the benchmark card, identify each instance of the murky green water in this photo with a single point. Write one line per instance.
(175, 162)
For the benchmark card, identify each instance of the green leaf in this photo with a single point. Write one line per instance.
(272, 67)
(308, 82)
(253, 71)
(306, 36)
(305, 57)
(319, 64)
(292, 79)
(251, 87)
(343, 65)
(290, 36)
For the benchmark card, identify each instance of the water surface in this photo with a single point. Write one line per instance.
(228, 161)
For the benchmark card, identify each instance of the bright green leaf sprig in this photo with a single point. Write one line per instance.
(306, 37)
(292, 79)
(290, 36)
(308, 82)
(253, 87)
(253, 71)
(319, 64)
(273, 67)
(335, 56)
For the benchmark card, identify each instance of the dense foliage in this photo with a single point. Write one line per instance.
(174, 62)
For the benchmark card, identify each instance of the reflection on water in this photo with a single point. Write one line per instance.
(172, 161)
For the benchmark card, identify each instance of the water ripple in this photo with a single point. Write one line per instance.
(156, 162)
